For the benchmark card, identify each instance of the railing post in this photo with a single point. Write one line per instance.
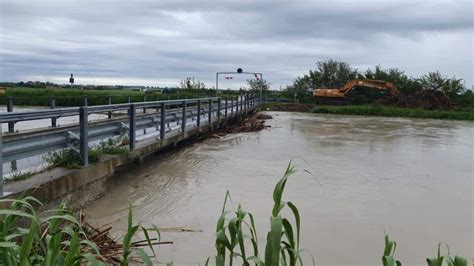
(144, 100)
(198, 122)
(85, 101)
(162, 121)
(237, 105)
(209, 115)
(83, 135)
(218, 109)
(1, 163)
(52, 105)
(109, 114)
(231, 106)
(226, 107)
(183, 118)
(132, 123)
(11, 125)
(241, 104)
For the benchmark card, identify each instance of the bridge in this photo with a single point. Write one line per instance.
(147, 126)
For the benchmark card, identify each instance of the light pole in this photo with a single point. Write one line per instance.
(240, 71)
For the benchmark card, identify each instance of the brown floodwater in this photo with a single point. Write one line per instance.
(358, 178)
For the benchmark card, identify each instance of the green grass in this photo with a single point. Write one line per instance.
(464, 113)
(378, 110)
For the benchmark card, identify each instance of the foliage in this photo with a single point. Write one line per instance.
(19, 175)
(75, 97)
(190, 84)
(329, 74)
(70, 157)
(53, 240)
(379, 110)
(258, 84)
(388, 258)
(283, 239)
(453, 87)
(56, 237)
(396, 76)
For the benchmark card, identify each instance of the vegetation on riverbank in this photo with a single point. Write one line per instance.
(380, 110)
(466, 113)
(70, 158)
(57, 237)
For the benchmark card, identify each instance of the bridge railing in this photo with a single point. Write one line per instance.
(169, 116)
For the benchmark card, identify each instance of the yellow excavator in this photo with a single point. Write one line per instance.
(355, 91)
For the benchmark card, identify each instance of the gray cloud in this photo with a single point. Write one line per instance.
(152, 43)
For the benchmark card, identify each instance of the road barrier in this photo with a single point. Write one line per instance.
(186, 114)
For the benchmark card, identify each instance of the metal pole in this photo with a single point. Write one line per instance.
(241, 103)
(85, 101)
(261, 88)
(109, 114)
(11, 125)
(183, 118)
(209, 115)
(198, 123)
(132, 124)
(217, 83)
(83, 135)
(162, 121)
(1, 163)
(231, 106)
(226, 106)
(52, 105)
(237, 105)
(144, 100)
(218, 109)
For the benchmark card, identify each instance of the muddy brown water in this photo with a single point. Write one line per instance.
(411, 178)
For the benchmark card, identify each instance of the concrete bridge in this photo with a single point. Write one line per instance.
(148, 127)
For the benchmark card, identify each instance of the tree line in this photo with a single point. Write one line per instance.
(332, 74)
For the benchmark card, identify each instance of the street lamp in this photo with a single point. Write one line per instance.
(241, 71)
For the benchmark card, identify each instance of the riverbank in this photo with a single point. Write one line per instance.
(373, 110)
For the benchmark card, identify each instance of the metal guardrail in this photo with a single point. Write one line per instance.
(184, 113)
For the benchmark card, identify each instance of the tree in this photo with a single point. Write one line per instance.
(329, 74)
(404, 83)
(190, 84)
(453, 87)
(258, 84)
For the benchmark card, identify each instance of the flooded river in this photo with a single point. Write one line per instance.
(365, 176)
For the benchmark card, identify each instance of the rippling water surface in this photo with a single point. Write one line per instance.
(358, 178)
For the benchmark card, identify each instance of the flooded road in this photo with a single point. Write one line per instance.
(364, 176)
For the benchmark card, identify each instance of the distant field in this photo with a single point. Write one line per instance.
(75, 97)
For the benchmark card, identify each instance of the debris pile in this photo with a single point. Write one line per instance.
(426, 99)
(110, 249)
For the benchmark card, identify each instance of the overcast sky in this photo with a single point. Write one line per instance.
(160, 42)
